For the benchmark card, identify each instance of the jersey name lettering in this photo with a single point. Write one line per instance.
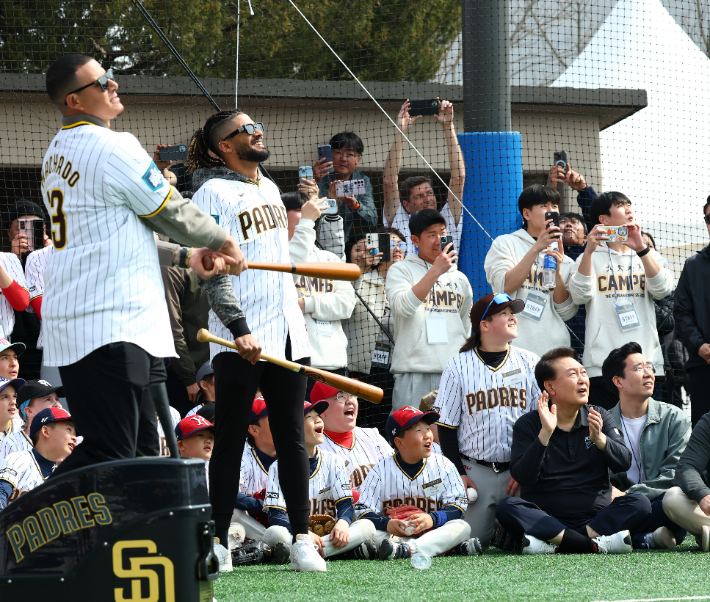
(505, 397)
(58, 164)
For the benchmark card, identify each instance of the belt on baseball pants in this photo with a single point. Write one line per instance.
(494, 466)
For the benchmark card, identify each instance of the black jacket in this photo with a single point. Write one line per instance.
(692, 306)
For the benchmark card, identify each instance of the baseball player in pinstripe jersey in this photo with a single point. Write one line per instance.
(54, 437)
(104, 301)
(415, 476)
(250, 208)
(483, 391)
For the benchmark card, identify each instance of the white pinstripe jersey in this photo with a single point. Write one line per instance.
(328, 485)
(34, 274)
(18, 441)
(175, 418)
(17, 424)
(253, 477)
(255, 216)
(13, 267)
(483, 403)
(369, 447)
(437, 484)
(436, 447)
(21, 470)
(103, 283)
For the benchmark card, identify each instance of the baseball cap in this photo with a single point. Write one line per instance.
(491, 304)
(189, 426)
(15, 382)
(205, 370)
(318, 406)
(258, 409)
(18, 347)
(23, 207)
(47, 416)
(400, 420)
(322, 391)
(207, 411)
(37, 388)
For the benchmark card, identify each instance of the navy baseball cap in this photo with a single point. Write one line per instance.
(47, 416)
(318, 406)
(205, 370)
(207, 411)
(400, 420)
(18, 383)
(258, 409)
(187, 427)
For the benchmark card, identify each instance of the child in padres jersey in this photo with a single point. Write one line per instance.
(329, 493)
(10, 419)
(54, 438)
(414, 476)
(483, 391)
(33, 397)
(259, 454)
(360, 448)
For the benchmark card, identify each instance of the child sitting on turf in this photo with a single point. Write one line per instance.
(329, 493)
(415, 476)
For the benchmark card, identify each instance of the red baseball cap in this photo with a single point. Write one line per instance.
(191, 425)
(400, 420)
(258, 409)
(319, 406)
(322, 391)
(47, 416)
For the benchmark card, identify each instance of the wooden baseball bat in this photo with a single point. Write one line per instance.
(329, 271)
(342, 383)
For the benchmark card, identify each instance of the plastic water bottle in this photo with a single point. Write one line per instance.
(549, 268)
(421, 561)
(223, 556)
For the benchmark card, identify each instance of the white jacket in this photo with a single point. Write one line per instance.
(361, 329)
(326, 301)
(539, 337)
(451, 296)
(603, 332)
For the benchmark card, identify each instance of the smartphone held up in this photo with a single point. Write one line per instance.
(32, 228)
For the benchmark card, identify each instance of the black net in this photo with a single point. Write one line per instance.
(620, 86)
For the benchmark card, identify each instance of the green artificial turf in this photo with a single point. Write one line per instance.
(671, 574)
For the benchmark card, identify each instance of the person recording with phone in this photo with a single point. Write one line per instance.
(346, 149)
(516, 264)
(617, 278)
(416, 193)
(329, 229)
(430, 301)
(562, 172)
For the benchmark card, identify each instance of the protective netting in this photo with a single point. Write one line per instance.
(621, 86)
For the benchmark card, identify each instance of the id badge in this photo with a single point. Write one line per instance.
(433, 488)
(381, 354)
(514, 378)
(626, 312)
(436, 329)
(324, 494)
(325, 329)
(534, 306)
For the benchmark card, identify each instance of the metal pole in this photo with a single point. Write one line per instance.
(486, 65)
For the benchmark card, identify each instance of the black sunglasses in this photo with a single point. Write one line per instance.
(249, 128)
(102, 81)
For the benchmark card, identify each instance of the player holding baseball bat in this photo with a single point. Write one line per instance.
(259, 310)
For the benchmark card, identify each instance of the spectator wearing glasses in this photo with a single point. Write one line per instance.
(655, 433)
(370, 336)
(692, 323)
(483, 392)
(617, 281)
(430, 301)
(347, 150)
(416, 192)
(514, 265)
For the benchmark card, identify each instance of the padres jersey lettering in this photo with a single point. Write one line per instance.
(368, 448)
(483, 403)
(21, 471)
(437, 484)
(253, 477)
(328, 485)
(34, 274)
(175, 418)
(255, 216)
(98, 288)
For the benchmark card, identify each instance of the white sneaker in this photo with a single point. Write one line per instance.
(663, 539)
(618, 543)
(703, 540)
(533, 545)
(305, 557)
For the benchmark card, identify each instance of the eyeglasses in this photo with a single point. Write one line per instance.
(402, 246)
(644, 367)
(343, 397)
(497, 299)
(249, 128)
(102, 81)
(707, 218)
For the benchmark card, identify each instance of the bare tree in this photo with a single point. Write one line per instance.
(694, 17)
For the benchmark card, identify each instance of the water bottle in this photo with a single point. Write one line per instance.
(223, 556)
(421, 561)
(549, 267)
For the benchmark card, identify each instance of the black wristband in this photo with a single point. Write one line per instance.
(646, 251)
(182, 257)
